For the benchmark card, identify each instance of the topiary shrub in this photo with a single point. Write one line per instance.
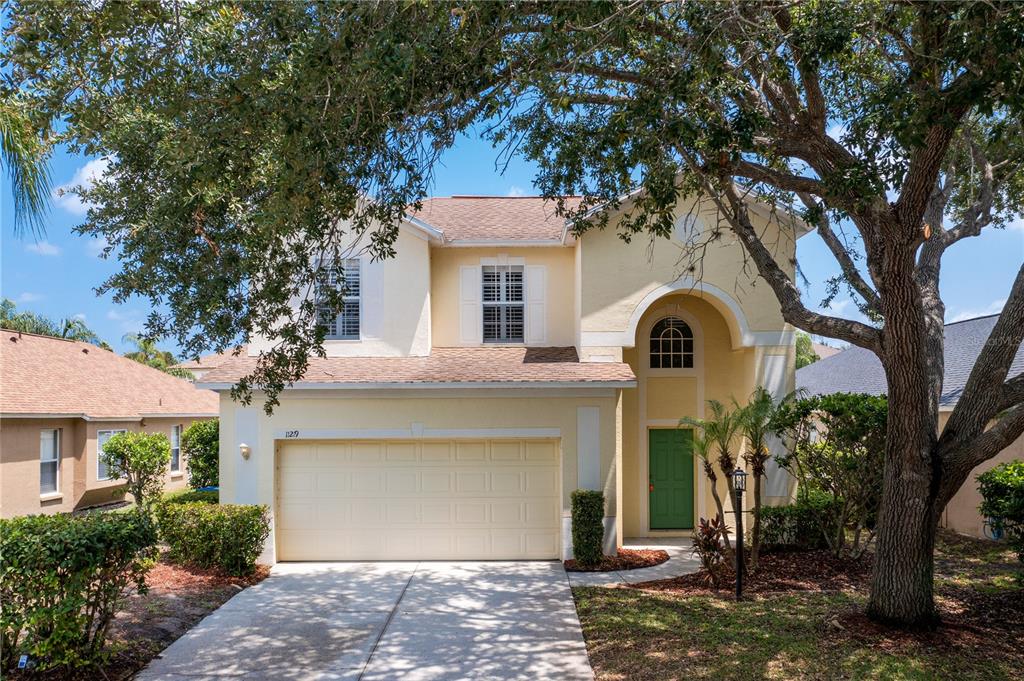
(802, 525)
(587, 527)
(225, 536)
(200, 444)
(141, 459)
(211, 496)
(1002, 493)
(62, 579)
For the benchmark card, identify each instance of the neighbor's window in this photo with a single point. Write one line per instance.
(101, 439)
(503, 303)
(671, 344)
(343, 323)
(175, 449)
(49, 461)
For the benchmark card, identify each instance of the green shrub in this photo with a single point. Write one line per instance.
(200, 443)
(587, 527)
(1002, 493)
(62, 579)
(802, 525)
(202, 496)
(141, 459)
(225, 536)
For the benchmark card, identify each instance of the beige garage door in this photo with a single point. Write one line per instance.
(418, 500)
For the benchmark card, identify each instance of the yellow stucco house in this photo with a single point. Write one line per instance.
(495, 365)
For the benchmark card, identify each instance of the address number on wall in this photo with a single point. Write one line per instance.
(291, 433)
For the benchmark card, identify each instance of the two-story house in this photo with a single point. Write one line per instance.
(495, 365)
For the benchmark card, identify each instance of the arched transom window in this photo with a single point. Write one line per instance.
(671, 344)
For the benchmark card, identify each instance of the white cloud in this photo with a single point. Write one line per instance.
(129, 321)
(85, 176)
(28, 297)
(43, 248)
(516, 191)
(94, 247)
(80, 316)
(995, 307)
(836, 131)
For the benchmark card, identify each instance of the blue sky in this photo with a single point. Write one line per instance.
(57, 275)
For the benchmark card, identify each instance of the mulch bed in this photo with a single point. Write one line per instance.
(776, 571)
(627, 559)
(178, 598)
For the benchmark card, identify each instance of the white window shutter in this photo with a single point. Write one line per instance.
(470, 283)
(536, 304)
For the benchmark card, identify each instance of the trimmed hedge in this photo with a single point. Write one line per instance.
(1002, 492)
(200, 443)
(62, 579)
(587, 527)
(192, 496)
(229, 537)
(801, 525)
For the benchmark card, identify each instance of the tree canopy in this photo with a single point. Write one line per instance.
(245, 137)
(27, 321)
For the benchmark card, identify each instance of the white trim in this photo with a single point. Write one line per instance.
(181, 429)
(50, 496)
(209, 415)
(744, 338)
(57, 460)
(415, 432)
(86, 417)
(455, 393)
(443, 385)
(484, 243)
(99, 451)
(432, 233)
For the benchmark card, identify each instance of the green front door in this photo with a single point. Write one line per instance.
(671, 479)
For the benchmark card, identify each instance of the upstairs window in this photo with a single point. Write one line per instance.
(671, 344)
(503, 298)
(49, 461)
(340, 323)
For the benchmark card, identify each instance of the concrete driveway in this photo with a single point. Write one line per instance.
(465, 620)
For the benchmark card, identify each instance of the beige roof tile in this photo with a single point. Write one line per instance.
(43, 375)
(210, 361)
(448, 365)
(495, 218)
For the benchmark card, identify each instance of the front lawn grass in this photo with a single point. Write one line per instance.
(637, 633)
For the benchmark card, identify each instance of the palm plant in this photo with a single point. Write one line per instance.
(718, 439)
(23, 157)
(755, 423)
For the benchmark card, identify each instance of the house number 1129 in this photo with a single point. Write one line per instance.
(291, 433)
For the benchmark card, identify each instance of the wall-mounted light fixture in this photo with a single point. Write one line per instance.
(245, 450)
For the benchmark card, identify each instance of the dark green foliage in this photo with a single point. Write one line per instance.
(587, 527)
(225, 536)
(709, 539)
(1002, 493)
(192, 496)
(802, 525)
(836, 446)
(30, 322)
(805, 353)
(62, 578)
(200, 443)
(141, 460)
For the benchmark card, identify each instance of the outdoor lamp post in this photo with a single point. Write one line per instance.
(739, 484)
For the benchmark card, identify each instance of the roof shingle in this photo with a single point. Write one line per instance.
(525, 366)
(857, 370)
(495, 218)
(44, 375)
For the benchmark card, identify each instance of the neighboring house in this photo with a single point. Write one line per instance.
(60, 400)
(856, 370)
(201, 366)
(493, 366)
(824, 351)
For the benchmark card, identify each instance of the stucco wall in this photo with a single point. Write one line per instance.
(395, 305)
(616, 278)
(79, 484)
(466, 415)
(961, 512)
(560, 289)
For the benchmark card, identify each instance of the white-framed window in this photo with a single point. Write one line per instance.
(343, 323)
(176, 449)
(101, 439)
(49, 460)
(503, 303)
(671, 344)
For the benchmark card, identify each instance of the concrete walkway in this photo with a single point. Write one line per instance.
(465, 620)
(679, 562)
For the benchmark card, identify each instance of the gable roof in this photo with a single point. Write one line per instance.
(40, 375)
(469, 220)
(211, 361)
(858, 370)
(516, 367)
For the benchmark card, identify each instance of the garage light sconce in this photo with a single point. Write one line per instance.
(245, 450)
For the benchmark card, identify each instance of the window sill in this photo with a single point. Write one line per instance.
(177, 475)
(51, 496)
